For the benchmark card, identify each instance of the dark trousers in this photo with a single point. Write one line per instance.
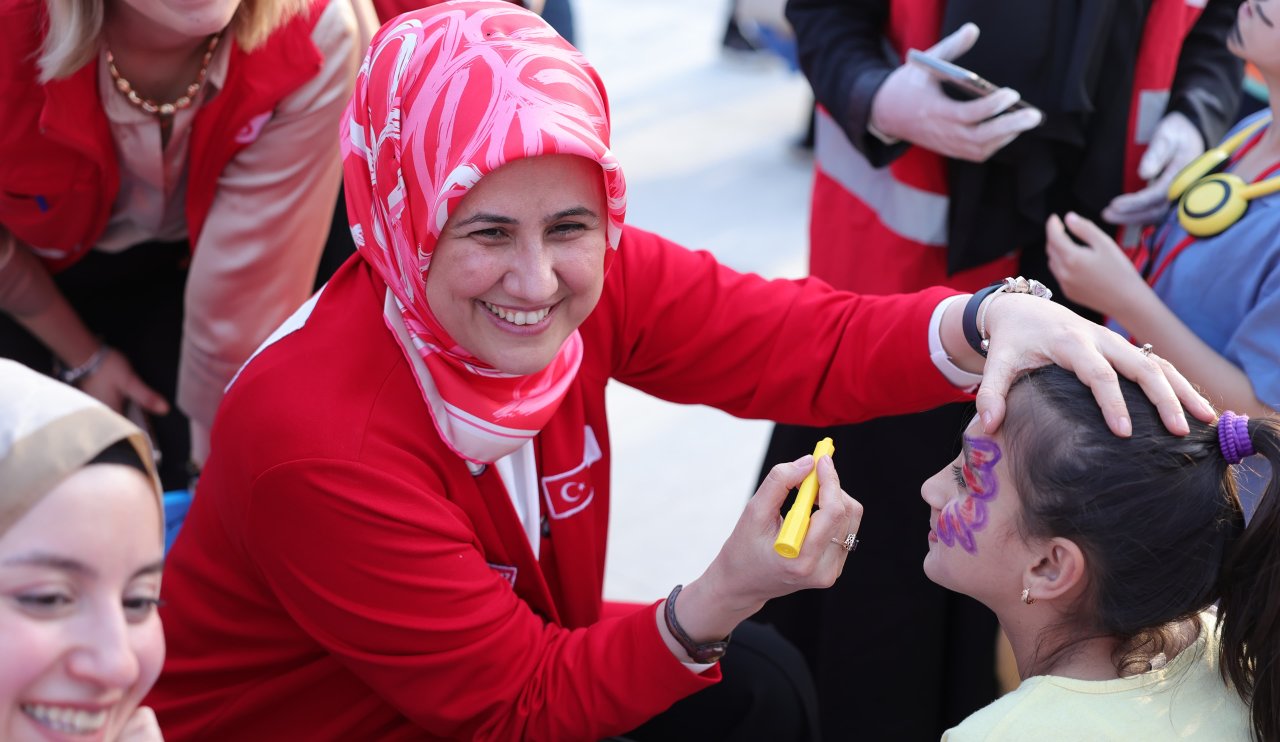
(766, 694)
(894, 656)
(133, 300)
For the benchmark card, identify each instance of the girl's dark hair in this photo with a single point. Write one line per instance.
(1161, 526)
(1249, 609)
(120, 452)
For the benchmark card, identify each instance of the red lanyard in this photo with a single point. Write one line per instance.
(1149, 259)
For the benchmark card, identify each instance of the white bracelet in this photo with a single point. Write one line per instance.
(72, 375)
(982, 319)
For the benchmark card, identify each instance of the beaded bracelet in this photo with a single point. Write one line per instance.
(700, 653)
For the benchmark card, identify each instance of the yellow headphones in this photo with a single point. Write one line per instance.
(1209, 202)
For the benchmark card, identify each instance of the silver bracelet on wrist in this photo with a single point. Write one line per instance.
(72, 375)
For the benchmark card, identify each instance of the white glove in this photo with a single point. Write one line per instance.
(1174, 144)
(910, 105)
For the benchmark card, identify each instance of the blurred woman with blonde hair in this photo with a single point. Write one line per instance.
(168, 173)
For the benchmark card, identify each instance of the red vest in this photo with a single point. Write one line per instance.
(59, 173)
(884, 230)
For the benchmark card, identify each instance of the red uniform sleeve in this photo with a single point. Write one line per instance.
(392, 584)
(687, 329)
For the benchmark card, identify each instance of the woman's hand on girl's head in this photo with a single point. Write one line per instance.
(748, 572)
(1096, 274)
(142, 727)
(1027, 332)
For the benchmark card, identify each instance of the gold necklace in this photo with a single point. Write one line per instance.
(164, 109)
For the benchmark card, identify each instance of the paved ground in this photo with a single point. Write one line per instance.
(706, 141)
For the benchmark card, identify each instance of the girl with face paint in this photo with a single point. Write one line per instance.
(1103, 558)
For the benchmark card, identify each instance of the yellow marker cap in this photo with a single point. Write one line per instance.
(796, 524)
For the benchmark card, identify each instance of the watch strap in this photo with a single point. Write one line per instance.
(969, 321)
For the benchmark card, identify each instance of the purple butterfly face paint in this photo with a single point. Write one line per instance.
(964, 516)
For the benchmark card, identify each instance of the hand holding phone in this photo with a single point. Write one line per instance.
(910, 105)
(960, 82)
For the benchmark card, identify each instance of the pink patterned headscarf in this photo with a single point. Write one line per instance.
(445, 96)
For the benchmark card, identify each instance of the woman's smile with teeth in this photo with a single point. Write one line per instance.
(529, 317)
(66, 719)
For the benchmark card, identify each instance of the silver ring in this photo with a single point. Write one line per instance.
(850, 542)
(1145, 350)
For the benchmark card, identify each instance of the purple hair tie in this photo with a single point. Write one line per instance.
(1233, 437)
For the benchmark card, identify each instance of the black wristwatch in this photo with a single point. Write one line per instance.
(705, 654)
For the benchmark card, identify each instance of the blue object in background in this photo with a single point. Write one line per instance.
(176, 505)
(780, 42)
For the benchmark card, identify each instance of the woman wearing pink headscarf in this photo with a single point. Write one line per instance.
(400, 532)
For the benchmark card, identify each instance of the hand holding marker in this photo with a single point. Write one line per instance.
(796, 524)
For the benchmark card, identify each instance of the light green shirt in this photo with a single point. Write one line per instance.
(1184, 700)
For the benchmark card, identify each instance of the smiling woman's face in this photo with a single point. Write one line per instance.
(520, 262)
(79, 633)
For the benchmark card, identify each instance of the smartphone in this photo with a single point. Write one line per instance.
(958, 81)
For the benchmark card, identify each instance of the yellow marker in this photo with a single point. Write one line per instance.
(796, 524)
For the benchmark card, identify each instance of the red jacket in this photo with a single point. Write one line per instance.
(884, 230)
(343, 576)
(58, 169)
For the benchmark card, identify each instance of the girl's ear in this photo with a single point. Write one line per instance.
(1060, 571)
